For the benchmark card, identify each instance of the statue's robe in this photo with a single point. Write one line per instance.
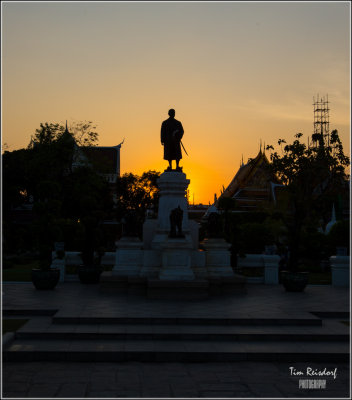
(171, 135)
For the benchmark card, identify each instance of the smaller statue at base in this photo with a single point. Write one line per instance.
(176, 217)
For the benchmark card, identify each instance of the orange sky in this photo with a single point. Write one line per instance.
(236, 73)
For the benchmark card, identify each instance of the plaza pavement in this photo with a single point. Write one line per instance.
(232, 379)
(165, 380)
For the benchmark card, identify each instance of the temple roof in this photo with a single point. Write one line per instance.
(246, 173)
(105, 159)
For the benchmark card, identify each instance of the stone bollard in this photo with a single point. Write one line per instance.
(217, 258)
(129, 257)
(59, 263)
(340, 270)
(271, 269)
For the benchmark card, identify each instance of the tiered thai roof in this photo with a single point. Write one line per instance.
(104, 159)
(254, 184)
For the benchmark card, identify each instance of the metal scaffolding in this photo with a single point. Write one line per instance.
(321, 118)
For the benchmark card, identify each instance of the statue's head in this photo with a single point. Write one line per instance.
(171, 113)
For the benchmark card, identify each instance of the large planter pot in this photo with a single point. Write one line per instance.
(89, 273)
(45, 279)
(294, 281)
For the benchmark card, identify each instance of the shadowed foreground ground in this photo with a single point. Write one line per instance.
(135, 379)
(231, 379)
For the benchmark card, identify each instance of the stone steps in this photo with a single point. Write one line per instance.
(267, 337)
(172, 339)
(174, 351)
(25, 312)
(158, 320)
(42, 328)
(115, 335)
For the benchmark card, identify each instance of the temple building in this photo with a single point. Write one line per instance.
(104, 159)
(254, 186)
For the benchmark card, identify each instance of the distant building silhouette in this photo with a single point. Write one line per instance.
(104, 159)
(253, 186)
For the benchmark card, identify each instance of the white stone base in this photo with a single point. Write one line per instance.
(198, 264)
(151, 263)
(218, 258)
(176, 260)
(173, 188)
(57, 263)
(149, 231)
(129, 257)
(340, 270)
(271, 270)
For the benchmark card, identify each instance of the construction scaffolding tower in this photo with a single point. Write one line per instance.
(321, 118)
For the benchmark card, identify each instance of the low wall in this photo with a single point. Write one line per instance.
(74, 258)
(270, 263)
(340, 270)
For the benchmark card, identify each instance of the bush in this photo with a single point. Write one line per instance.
(339, 235)
(314, 246)
(253, 237)
(7, 264)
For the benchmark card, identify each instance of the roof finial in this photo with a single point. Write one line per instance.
(66, 130)
(260, 149)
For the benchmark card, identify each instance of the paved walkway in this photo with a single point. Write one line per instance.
(163, 380)
(260, 301)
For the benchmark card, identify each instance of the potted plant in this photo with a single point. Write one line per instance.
(294, 281)
(45, 277)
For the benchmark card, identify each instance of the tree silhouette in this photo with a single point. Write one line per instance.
(137, 194)
(314, 176)
(83, 132)
(61, 196)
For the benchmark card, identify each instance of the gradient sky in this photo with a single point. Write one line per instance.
(236, 73)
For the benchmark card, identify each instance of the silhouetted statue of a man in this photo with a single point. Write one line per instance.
(171, 135)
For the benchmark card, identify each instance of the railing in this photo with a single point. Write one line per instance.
(270, 263)
(74, 258)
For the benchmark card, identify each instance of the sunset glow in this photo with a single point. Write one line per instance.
(236, 74)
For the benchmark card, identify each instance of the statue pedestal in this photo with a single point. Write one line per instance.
(173, 188)
(172, 267)
(176, 260)
(175, 253)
